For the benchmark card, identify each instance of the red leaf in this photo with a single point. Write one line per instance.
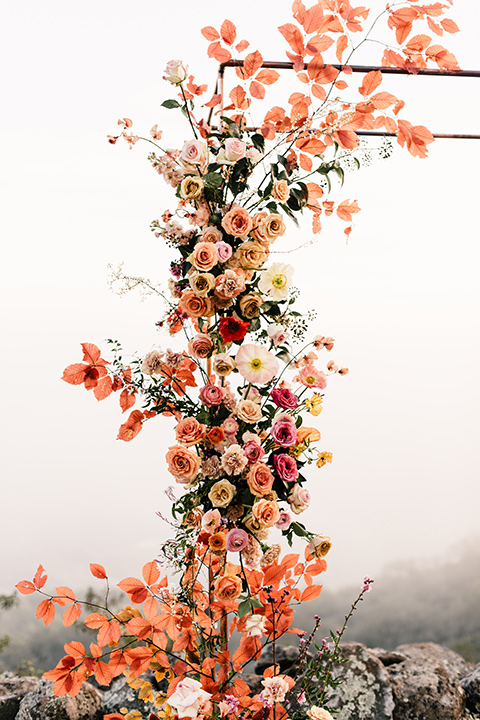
(150, 572)
(103, 388)
(40, 579)
(241, 46)
(98, 571)
(311, 592)
(130, 429)
(228, 32)
(341, 46)
(46, 611)
(71, 614)
(257, 90)
(91, 353)
(75, 374)
(127, 399)
(370, 82)
(294, 37)
(313, 19)
(25, 587)
(267, 76)
(209, 33)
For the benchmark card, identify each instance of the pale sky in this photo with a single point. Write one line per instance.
(402, 299)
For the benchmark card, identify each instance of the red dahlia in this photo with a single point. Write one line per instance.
(232, 329)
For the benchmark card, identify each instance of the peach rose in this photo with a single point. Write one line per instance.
(190, 432)
(266, 512)
(212, 234)
(273, 227)
(281, 191)
(204, 256)
(316, 713)
(252, 254)
(237, 222)
(183, 464)
(200, 346)
(228, 588)
(223, 364)
(260, 479)
(196, 306)
(257, 231)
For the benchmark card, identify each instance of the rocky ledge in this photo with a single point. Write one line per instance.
(422, 681)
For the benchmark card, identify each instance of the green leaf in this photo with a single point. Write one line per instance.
(299, 529)
(258, 141)
(170, 104)
(213, 180)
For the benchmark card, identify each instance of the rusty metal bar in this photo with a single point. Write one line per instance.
(279, 65)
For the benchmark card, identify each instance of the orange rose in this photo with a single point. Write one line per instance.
(196, 306)
(190, 432)
(228, 588)
(182, 463)
(218, 543)
(237, 222)
(216, 435)
(307, 434)
(266, 512)
(260, 479)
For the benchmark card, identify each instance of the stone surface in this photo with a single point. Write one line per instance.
(12, 690)
(426, 685)
(285, 656)
(120, 694)
(471, 685)
(365, 692)
(41, 704)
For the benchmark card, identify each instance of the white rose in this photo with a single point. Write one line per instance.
(188, 698)
(255, 625)
(175, 72)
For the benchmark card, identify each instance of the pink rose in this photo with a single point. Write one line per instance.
(299, 499)
(286, 467)
(237, 540)
(284, 521)
(234, 150)
(253, 451)
(212, 395)
(284, 398)
(284, 432)
(194, 152)
(224, 251)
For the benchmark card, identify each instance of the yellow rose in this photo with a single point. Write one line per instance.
(222, 493)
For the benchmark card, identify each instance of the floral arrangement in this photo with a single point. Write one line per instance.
(248, 378)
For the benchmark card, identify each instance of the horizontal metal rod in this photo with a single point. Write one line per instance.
(447, 136)
(277, 65)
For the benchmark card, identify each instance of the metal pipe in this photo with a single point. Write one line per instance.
(277, 65)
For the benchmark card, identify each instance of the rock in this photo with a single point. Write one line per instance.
(12, 690)
(120, 694)
(364, 693)
(41, 704)
(426, 685)
(471, 685)
(285, 656)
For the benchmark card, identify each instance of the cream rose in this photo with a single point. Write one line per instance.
(249, 411)
(223, 364)
(191, 187)
(222, 493)
(316, 713)
(201, 283)
(194, 152)
(234, 150)
(175, 72)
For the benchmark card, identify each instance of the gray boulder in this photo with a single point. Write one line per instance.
(426, 685)
(120, 694)
(12, 690)
(471, 685)
(41, 704)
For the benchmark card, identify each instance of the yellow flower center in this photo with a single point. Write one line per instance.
(256, 364)
(279, 281)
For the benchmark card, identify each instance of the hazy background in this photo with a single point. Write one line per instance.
(401, 299)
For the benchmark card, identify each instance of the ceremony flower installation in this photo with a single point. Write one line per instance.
(248, 377)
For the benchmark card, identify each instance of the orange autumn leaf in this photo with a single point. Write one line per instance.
(273, 574)
(209, 33)
(306, 163)
(313, 19)
(346, 139)
(117, 664)
(239, 98)
(340, 47)
(219, 53)
(98, 571)
(242, 45)
(267, 76)
(383, 100)
(130, 429)
(449, 25)
(40, 578)
(310, 593)
(75, 649)
(71, 614)
(103, 673)
(127, 399)
(319, 92)
(249, 648)
(416, 138)
(228, 31)
(134, 588)
(257, 90)
(310, 145)
(65, 595)
(316, 224)
(370, 82)
(324, 75)
(46, 611)
(252, 63)
(214, 101)
(318, 44)
(103, 388)
(346, 208)
(294, 37)
(150, 572)
(25, 587)
(435, 27)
